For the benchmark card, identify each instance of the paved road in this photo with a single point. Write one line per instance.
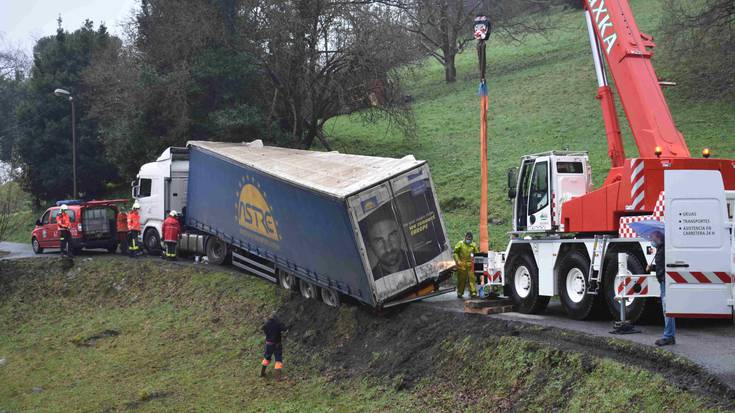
(709, 343)
(16, 250)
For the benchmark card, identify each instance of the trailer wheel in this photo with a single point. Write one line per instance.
(633, 307)
(286, 280)
(523, 281)
(308, 290)
(572, 283)
(330, 297)
(216, 251)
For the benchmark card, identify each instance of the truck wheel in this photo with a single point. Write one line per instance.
(152, 242)
(330, 297)
(216, 251)
(523, 281)
(36, 246)
(572, 285)
(308, 290)
(286, 280)
(633, 307)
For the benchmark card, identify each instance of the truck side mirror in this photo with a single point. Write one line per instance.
(512, 182)
(38, 222)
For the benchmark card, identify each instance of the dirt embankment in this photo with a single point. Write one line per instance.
(446, 361)
(467, 353)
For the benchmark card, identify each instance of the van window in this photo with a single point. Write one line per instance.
(145, 187)
(70, 212)
(569, 167)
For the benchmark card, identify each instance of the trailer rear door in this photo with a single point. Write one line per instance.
(418, 213)
(386, 256)
(698, 245)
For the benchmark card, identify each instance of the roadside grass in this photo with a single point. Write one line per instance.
(20, 218)
(187, 337)
(511, 373)
(114, 334)
(20, 226)
(541, 98)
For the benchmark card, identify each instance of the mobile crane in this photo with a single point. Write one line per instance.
(567, 236)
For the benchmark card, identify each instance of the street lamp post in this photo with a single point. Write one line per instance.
(62, 92)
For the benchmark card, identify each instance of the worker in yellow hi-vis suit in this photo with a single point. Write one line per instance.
(464, 253)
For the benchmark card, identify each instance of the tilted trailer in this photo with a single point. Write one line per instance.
(326, 223)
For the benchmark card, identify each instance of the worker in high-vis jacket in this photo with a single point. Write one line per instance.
(64, 224)
(273, 346)
(171, 230)
(122, 231)
(464, 255)
(134, 230)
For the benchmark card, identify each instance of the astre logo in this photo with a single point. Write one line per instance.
(253, 212)
(602, 18)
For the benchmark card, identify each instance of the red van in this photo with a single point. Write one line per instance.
(93, 226)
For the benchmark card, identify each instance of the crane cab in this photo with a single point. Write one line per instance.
(542, 183)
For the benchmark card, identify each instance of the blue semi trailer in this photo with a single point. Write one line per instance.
(328, 224)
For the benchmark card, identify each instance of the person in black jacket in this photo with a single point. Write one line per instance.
(273, 346)
(659, 265)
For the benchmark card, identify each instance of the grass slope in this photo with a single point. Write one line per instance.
(541, 98)
(112, 334)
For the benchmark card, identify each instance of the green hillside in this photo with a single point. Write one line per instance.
(541, 98)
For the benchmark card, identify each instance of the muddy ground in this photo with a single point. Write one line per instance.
(411, 341)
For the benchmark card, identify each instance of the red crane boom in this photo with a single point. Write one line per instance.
(633, 185)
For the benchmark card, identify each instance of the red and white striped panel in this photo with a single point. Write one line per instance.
(625, 231)
(493, 278)
(631, 284)
(637, 185)
(695, 277)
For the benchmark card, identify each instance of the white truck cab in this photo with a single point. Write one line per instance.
(160, 187)
(542, 184)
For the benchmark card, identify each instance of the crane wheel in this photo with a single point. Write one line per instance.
(572, 286)
(524, 286)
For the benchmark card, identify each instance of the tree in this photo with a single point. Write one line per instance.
(44, 144)
(184, 75)
(444, 27)
(699, 38)
(14, 65)
(325, 58)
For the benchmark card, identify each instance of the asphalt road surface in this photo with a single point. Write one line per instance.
(709, 343)
(16, 250)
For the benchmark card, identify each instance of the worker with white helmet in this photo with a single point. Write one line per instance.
(64, 224)
(171, 231)
(134, 230)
